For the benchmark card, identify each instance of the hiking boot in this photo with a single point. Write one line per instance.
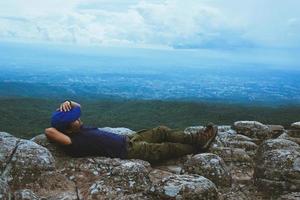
(206, 137)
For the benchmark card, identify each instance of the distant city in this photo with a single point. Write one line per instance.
(50, 72)
(246, 86)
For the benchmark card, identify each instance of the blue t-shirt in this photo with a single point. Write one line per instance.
(91, 141)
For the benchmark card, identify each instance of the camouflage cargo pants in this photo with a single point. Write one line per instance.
(159, 144)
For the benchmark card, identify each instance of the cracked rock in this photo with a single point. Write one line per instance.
(8, 145)
(29, 161)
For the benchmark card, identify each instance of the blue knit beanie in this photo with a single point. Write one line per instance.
(61, 120)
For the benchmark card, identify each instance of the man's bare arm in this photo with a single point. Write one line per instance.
(54, 135)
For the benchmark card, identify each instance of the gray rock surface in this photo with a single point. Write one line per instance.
(224, 128)
(29, 161)
(210, 166)
(8, 144)
(100, 177)
(119, 130)
(39, 169)
(253, 129)
(193, 129)
(25, 194)
(291, 135)
(51, 185)
(276, 130)
(22, 161)
(239, 163)
(238, 152)
(295, 125)
(230, 139)
(172, 186)
(4, 189)
(290, 196)
(278, 166)
(132, 175)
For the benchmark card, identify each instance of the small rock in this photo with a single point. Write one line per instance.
(277, 166)
(232, 154)
(25, 194)
(185, 187)
(290, 135)
(224, 128)
(253, 129)
(193, 129)
(295, 125)
(276, 130)
(210, 166)
(230, 139)
(294, 133)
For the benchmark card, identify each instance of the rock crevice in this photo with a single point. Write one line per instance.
(7, 167)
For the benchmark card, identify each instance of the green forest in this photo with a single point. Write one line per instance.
(27, 117)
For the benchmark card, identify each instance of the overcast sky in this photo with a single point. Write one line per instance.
(166, 24)
(161, 23)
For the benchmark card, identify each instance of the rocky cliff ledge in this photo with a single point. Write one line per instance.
(248, 160)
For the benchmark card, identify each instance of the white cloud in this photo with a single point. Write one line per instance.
(170, 23)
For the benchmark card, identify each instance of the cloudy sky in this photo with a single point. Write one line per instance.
(225, 25)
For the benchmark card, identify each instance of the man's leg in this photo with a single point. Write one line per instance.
(149, 135)
(157, 152)
(165, 134)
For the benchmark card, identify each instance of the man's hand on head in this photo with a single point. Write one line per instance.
(65, 106)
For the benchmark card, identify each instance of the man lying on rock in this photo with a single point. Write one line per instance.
(153, 145)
